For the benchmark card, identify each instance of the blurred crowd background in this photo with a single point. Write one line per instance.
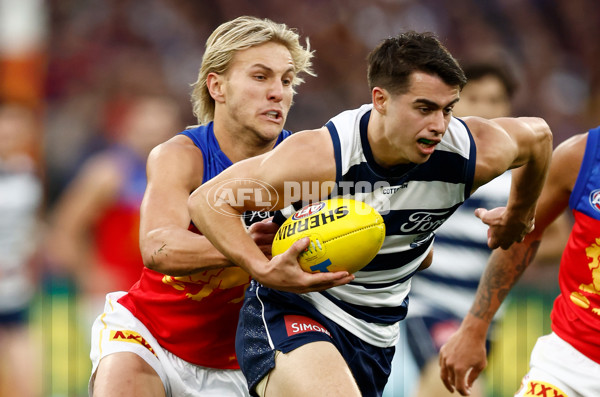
(72, 71)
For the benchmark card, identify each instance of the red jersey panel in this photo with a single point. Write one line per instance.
(195, 317)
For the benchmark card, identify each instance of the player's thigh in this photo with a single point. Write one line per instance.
(314, 369)
(126, 374)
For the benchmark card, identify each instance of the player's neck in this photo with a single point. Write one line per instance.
(240, 145)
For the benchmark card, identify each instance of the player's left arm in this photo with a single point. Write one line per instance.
(525, 145)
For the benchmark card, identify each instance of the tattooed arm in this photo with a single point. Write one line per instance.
(463, 357)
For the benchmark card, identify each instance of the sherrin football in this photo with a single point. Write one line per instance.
(344, 234)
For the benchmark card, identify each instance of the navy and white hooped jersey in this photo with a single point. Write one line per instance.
(461, 254)
(414, 200)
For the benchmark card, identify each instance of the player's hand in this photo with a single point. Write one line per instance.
(426, 262)
(504, 229)
(263, 233)
(462, 359)
(284, 273)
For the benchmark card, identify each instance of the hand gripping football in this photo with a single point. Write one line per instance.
(344, 234)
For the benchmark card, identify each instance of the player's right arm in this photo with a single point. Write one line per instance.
(523, 144)
(262, 183)
(463, 357)
(174, 169)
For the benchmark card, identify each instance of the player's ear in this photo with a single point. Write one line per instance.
(216, 88)
(380, 99)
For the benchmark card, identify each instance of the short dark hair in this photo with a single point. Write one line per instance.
(478, 70)
(393, 61)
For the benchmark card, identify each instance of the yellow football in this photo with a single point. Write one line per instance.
(344, 234)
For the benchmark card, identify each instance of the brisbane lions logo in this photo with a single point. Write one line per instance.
(231, 281)
(580, 297)
(595, 199)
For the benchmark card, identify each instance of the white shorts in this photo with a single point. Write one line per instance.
(558, 369)
(117, 330)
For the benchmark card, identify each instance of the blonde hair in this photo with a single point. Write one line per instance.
(236, 35)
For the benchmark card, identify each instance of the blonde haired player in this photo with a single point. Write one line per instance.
(173, 335)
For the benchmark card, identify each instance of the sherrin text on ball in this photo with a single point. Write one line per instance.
(344, 234)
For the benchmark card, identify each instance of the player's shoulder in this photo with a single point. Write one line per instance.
(176, 156)
(568, 156)
(178, 148)
(482, 128)
(572, 146)
(569, 153)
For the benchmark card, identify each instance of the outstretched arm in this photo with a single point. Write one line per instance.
(463, 357)
(265, 183)
(525, 145)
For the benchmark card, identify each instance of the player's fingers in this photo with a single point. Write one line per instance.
(263, 238)
(492, 241)
(326, 280)
(298, 246)
(480, 213)
(461, 384)
(264, 227)
(445, 375)
(530, 229)
(471, 377)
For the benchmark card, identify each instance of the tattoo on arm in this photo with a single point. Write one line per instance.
(502, 272)
(156, 252)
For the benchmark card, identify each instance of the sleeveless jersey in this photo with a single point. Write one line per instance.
(414, 200)
(195, 317)
(576, 312)
(461, 254)
(116, 234)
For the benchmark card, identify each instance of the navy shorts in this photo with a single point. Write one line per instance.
(425, 335)
(272, 320)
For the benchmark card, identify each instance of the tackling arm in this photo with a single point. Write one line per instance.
(174, 169)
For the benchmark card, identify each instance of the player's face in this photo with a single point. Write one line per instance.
(484, 97)
(258, 90)
(416, 121)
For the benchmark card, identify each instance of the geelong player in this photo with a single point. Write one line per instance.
(406, 138)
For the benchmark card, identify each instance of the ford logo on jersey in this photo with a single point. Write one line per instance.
(595, 199)
(424, 221)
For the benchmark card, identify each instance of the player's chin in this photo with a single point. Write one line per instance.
(270, 131)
